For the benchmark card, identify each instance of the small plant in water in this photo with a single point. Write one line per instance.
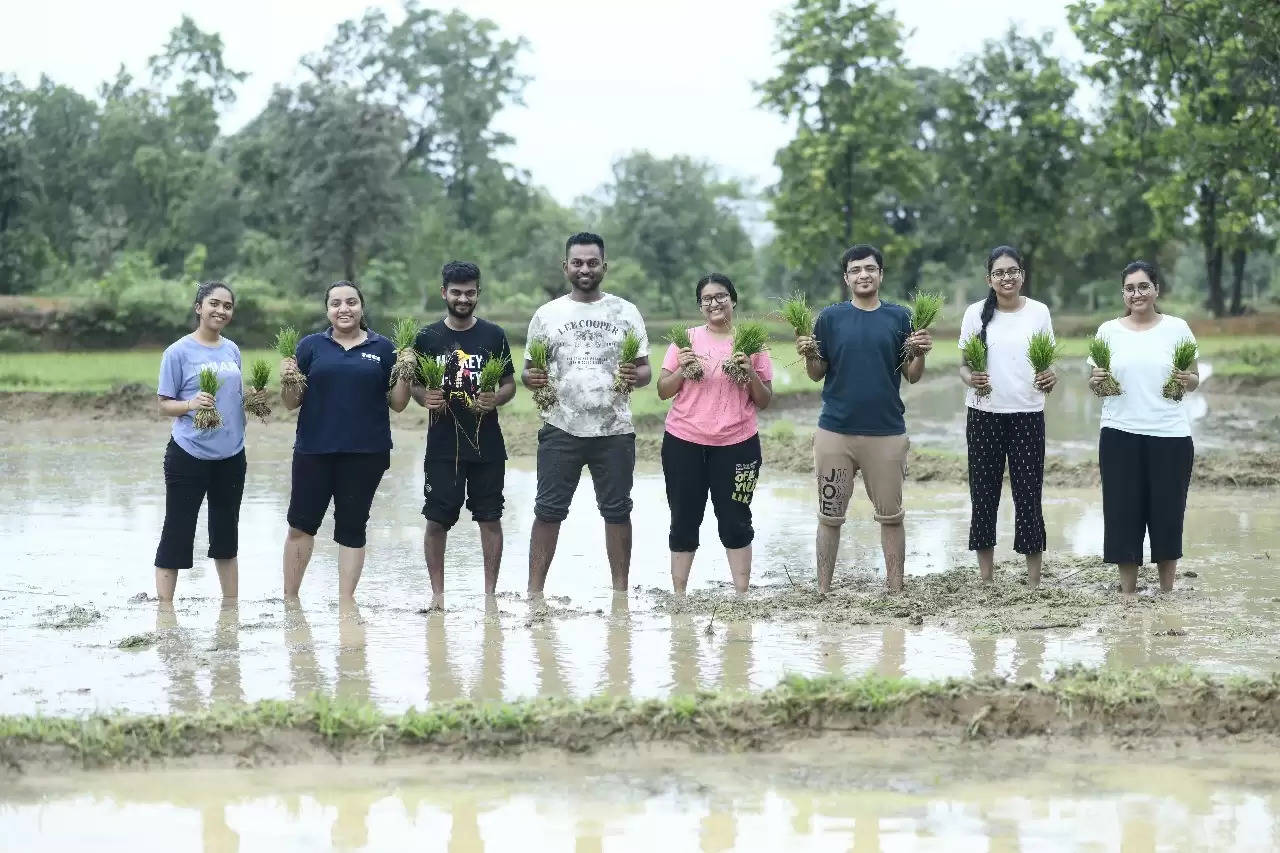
(287, 347)
(628, 352)
(925, 308)
(208, 419)
(749, 338)
(255, 403)
(403, 335)
(679, 336)
(1100, 354)
(798, 316)
(1184, 353)
(974, 353)
(1042, 351)
(539, 354)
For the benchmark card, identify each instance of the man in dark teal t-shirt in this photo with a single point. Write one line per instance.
(860, 345)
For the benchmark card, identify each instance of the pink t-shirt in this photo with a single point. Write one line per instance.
(716, 410)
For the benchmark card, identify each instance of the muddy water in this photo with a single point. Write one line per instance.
(885, 796)
(84, 502)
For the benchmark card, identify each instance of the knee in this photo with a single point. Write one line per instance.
(349, 534)
(550, 514)
(440, 519)
(437, 528)
(735, 536)
(297, 534)
(616, 512)
(891, 519)
(830, 520)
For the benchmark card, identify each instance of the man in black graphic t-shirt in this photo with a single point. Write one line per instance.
(466, 456)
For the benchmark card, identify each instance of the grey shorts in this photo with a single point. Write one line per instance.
(612, 460)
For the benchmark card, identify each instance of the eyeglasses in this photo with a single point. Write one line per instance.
(1142, 287)
(714, 299)
(1001, 275)
(870, 269)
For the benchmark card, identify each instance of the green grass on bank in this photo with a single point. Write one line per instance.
(96, 372)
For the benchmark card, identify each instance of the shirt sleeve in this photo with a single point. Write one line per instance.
(670, 361)
(170, 382)
(239, 359)
(763, 365)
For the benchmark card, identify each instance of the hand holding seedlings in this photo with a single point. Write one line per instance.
(255, 399)
(485, 401)
(749, 338)
(1042, 352)
(625, 379)
(200, 401)
(744, 364)
(434, 399)
(974, 353)
(291, 379)
(1100, 379)
(919, 343)
(537, 377)
(206, 416)
(807, 348)
(403, 335)
(1180, 378)
(689, 363)
(925, 308)
(798, 316)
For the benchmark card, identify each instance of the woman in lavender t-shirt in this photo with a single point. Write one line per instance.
(202, 462)
(711, 444)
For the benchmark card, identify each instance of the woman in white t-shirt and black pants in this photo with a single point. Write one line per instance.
(1145, 452)
(1008, 422)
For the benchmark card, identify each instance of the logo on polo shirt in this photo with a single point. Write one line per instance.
(371, 356)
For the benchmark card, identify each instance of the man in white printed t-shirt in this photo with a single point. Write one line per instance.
(590, 423)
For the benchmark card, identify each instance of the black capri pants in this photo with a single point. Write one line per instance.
(349, 479)
(993, 437)
(1144, 492)
(729, 473)
(186, 482)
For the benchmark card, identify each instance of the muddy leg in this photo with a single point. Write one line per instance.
(617, 544)
(826, 545)
(542, 549)
(986, 563)
(433, 542)
(297, 554)
(491, 549)
(166, 583)
(740, 567)
(893, 541)
(1034, 563)
(228, 577)
(1168, 571)
(350, 567)
(681, 566)
(1128, 578)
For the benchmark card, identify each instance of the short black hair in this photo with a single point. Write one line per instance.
(459, 272)
(717, 278)
(584, 238)
(857, 253)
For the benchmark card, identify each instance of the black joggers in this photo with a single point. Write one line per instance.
(993, 437)
(186, 482)
(729, 473)
(1144, 491)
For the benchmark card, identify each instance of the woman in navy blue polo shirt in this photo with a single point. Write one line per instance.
(343, 443)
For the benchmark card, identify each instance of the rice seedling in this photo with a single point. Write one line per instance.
(795, 311)
(925, 307)
(208, 419)
(1184, 353)
(679, 336)
(749, 338)
(974, 353)
(1042, 351)
(1100, 354)
(627, 354)
(491, 375)
(403, 335)
(430, 373)
(255, 402)
(287, 346)
(539, 353)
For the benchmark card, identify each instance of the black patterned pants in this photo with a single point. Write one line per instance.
(993, 438)
(727, 473)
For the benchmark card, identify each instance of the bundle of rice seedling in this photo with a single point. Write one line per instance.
(491, 375)
(255, 402)
(287, 346)
(974, 353)
(1042, 351)
(925, 308)
(1184, 353)
(679, 336)
(539, 353)
(749, 338)
(403, 334)
(430, 373)
(798, 316)
(1100, 353)
(627, 354)
(207, 419)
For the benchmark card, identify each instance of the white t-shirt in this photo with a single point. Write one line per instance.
(1012, 377)
(584, 339)
(1141, 362)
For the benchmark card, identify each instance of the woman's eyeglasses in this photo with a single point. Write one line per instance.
(1011, 273)
(715, 299)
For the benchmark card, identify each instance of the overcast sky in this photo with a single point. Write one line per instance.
(670, 76)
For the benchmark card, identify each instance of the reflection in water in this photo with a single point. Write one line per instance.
(226, 689)
(174, 649)
(353, 655)
(617, 669)
(305, 677)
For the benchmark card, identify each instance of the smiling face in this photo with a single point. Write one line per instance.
(215, 309)
(345, 309)
(1006, 277)
(863, 276)
(460, 298)
(585, 267)
(716, 304)
(1139, 292)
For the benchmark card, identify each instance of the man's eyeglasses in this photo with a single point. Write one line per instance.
(870, 269)
(1011, 273)
(714, 299)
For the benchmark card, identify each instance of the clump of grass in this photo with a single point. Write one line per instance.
(1100, 353)
(925, 308)
(490, 375)
(749, 338)
(287, 346)
(795, 311)
(679, 336)
(974, 353)
(430, 373)
(628, 352)
(538, 351)
(208, 419)
(1042, 351)
(403, 335)
(255, 402)
(1184, 353)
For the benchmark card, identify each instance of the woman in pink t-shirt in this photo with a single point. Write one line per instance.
(711, 444)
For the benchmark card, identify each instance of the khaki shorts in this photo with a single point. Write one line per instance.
(882, 459)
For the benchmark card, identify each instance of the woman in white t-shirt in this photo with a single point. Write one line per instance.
(1007, 422)
(1145, 451)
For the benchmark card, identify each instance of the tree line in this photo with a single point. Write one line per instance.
(383, 161)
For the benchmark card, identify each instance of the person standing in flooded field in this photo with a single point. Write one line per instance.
(202, 462)
(1145, 451)
(711, 443)
(343, 442)
(590, 423)
(1004, 414)
(466, 457)
(860, 346)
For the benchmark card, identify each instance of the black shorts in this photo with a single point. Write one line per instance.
(612, 460)
(348, 479)
(447, 482)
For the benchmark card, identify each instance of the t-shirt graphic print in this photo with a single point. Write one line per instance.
(458, 432)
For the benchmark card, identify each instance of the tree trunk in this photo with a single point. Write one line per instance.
(1238, 258)
(1212, 251)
